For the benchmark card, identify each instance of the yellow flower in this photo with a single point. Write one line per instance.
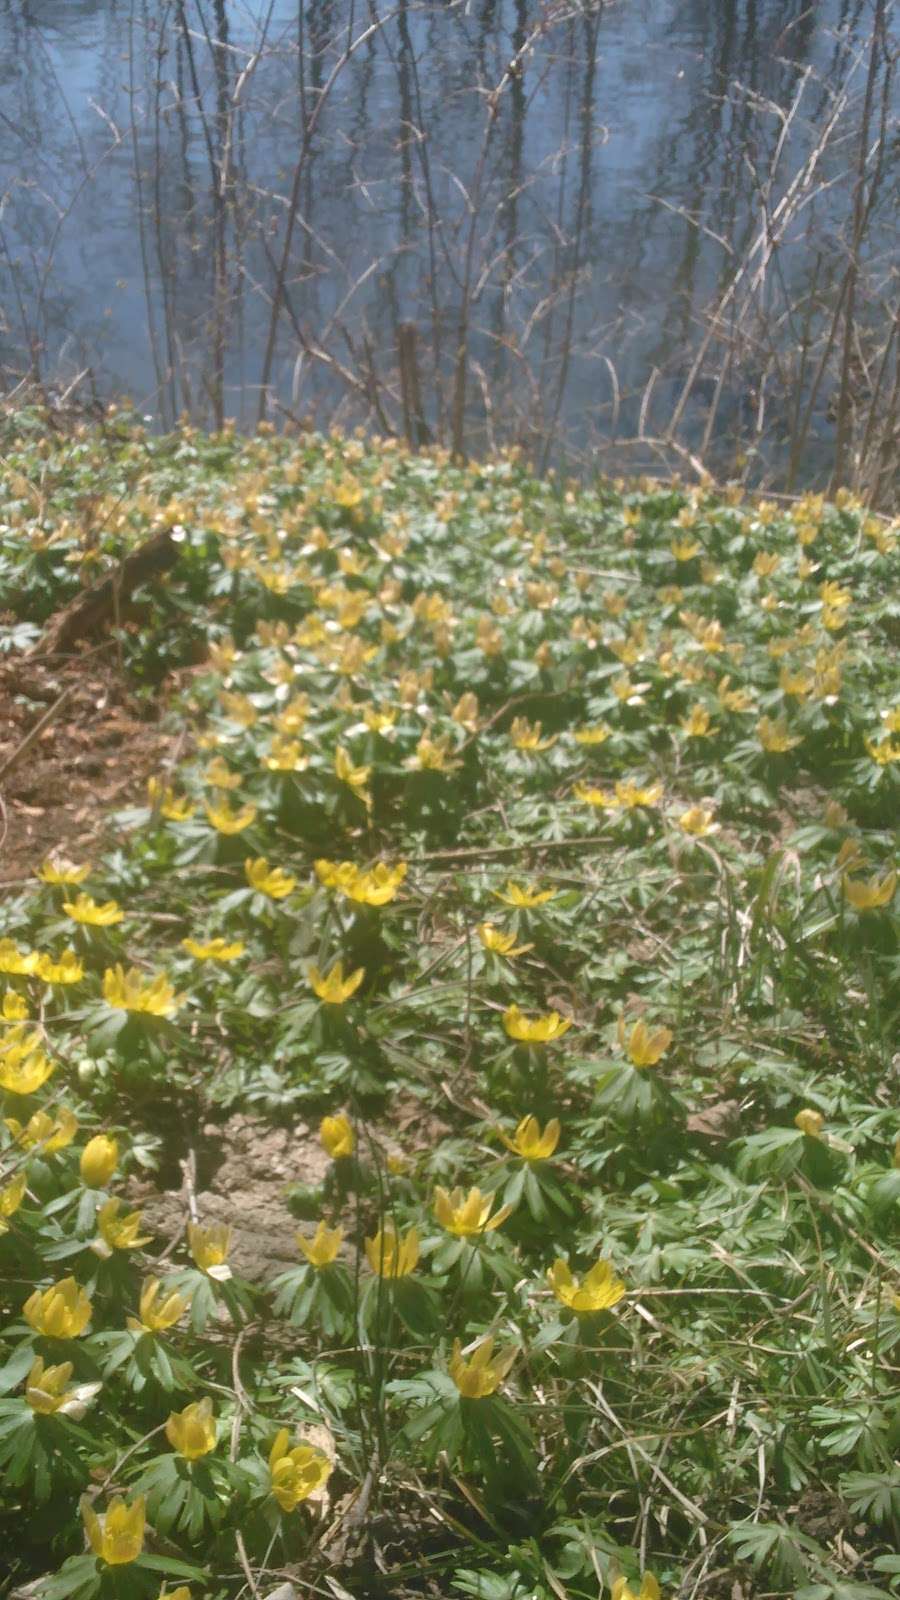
(884, 751)
(375, 887)
(797, 684)
(99, 1160)
(296, 1474)
(192, 1432)
(629, 651)
(61, 1312)
(285, 755)
(467, 1214)
(14, 1008)
(649, 1589)
(527, 736)
(465, 712)
(176, 807)
(774, 735)
(68, 969)
(484, 1372)
(433, 755)
(228, 821)
(172, 806)
(697, 723)
(293, 717)
(271, 881)
(378, 720)
(46, 1392)
(810, 1122)
(630, 694)
(323, 1247)
(488, 637)
(337, 1137)
(239, 708)
(685, 549)
(52, 1133)
(86, 910)
(832, 595)
(347, 493)
(118, 1537)
(523, 896)
(17, 963)
(130, 991)
(765, 563)
(598, 1290)
(181, 1593)
(120, 1233)
(697, 821)
(534, 1030)
(23, 1067)
(333, 987)
(502, 944)
(709, 635)
(596, 735)
(219, 775)
(378, 886)
(850, 855)
(733, 699)
(57, 870)
(870, 894)
(336, 874)
(16, 1041)
(11, 1196)
(156, 1315)
(209, 1247)
(591, 796)
(391, 1256)
(213, 949)
(630, 794)
(355, 778)
(644, 1048)
(528, 1141)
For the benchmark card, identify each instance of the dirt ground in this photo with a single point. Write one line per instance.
(253, 1162)
(94, 755)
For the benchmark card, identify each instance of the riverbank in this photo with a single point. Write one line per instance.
(512, 915)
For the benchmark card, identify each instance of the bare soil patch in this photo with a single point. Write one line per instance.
(254, 1163)
(94, 755)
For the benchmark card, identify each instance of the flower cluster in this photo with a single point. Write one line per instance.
(546, 907)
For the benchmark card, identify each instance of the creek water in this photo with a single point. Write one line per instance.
(483, 219)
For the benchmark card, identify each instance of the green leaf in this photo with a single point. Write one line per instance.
(875, 1495)
(80, 1576)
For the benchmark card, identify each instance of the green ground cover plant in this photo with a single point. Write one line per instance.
(565, 817)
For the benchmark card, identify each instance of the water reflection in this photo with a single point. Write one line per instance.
(607, 232)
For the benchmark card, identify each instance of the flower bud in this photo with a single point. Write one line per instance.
(810, 1122)
(336, 1136)
(99, 1159)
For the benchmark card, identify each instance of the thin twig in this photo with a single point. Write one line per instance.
(36, 731)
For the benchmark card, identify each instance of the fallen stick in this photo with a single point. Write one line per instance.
(102, 601)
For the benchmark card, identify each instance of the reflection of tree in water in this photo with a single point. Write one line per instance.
(538, 204)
